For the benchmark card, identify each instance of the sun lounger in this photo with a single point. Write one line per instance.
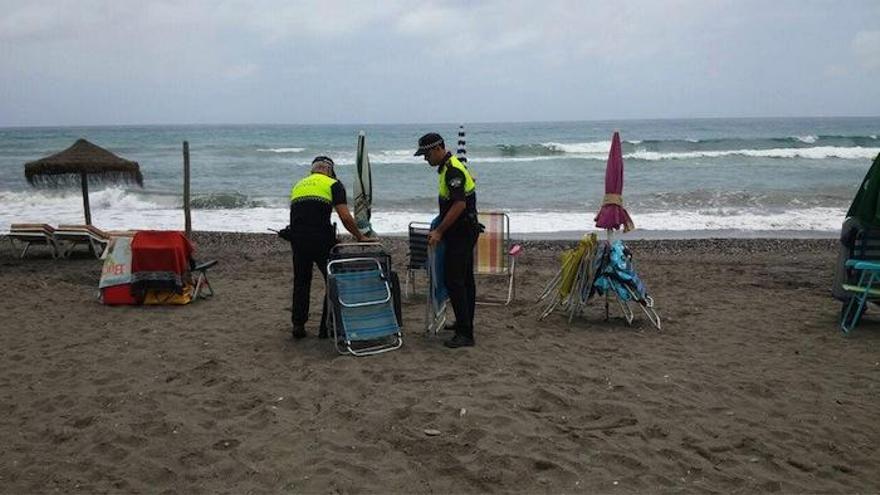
(74, 235)
(363, 300)
(495, 255)
(33, 233)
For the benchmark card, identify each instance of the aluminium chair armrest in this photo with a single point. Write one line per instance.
(200, 267)
(863, 264)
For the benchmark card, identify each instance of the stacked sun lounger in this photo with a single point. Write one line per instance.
(34, 233)
(71, 236)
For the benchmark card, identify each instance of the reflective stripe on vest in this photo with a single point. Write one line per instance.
(315, 186)
(469, 184)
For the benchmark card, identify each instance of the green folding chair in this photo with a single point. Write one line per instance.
(862, 292)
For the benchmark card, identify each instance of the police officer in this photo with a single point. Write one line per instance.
(459, 228)
(312, 235)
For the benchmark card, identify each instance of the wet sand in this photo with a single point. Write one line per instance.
(750, 387)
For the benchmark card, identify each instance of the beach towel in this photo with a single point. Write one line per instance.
(115, 283)
(160, 260)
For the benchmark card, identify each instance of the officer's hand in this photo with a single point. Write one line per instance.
(434, 238)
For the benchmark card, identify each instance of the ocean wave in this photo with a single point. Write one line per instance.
(809, 139)
(587, 147)
(830, 196)
(820, 219)
(224, 200)
(281, 150)
(814, 153)
(402, 157)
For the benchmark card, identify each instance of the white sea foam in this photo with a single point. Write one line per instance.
(282, 150)
(814, 153)
(588, 147)
(809, 139)
(599, 151)
(117, 209)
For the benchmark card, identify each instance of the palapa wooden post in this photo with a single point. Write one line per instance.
(186, 213)
(85, 190)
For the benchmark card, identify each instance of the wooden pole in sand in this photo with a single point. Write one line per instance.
(187, 218)
(609, 235)
(85, 190)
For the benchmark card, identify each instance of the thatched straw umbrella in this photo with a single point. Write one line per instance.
(83, 162)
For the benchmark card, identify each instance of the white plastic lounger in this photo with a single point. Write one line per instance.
(88, 235)
(33, 233)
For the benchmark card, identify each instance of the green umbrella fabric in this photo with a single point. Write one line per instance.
(865, 205)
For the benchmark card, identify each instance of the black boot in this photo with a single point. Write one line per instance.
(459, 340)
(299, 332)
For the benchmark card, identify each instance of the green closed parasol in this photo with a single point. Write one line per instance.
(865, 205)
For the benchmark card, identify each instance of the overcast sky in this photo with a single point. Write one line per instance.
(323, 61)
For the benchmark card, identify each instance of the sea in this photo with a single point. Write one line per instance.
(787, 177)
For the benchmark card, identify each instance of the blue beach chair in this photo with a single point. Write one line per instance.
(438, 296)
(363, 300)
(861, 293)
(616, 276)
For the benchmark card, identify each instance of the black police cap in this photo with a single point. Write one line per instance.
(428, 142)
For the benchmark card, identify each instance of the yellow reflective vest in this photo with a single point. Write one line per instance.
(315, 186)
(469, 184)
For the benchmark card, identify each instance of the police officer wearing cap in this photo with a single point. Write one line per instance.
(459, 228)
(312, 235)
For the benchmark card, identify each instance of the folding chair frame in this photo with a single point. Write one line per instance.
(203, 288)
(73, 236)
(434, 320)
(853, 310)
(346, 345)
(509, 254)
(417, 241)
(39, 237)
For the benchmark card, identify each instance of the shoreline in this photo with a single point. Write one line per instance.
(574, 235)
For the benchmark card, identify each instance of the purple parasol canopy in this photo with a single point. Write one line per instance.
(612, 215)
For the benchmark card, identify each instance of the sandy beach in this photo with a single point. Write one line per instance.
(750, 387)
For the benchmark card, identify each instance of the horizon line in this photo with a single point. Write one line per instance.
(293, 124)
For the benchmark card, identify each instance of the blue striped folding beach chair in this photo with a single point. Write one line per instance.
(438, 296)
(361, 304)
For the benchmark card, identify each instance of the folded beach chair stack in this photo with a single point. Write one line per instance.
(363, 300)
(437, 295)
(565, 291)
(40, 234)
(418, 254)
(596, 268)
(616, 278)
